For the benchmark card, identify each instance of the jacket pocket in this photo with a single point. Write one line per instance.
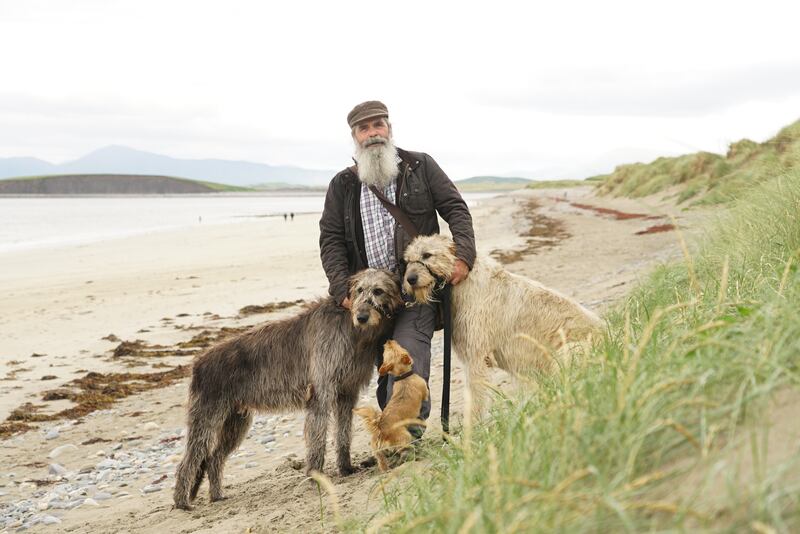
(416, 197)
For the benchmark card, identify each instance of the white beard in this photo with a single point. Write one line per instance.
(377, 163)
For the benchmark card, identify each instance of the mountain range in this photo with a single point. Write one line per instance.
(123, 160)
(117, 159)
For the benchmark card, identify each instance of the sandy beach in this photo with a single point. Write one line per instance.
(148, 304)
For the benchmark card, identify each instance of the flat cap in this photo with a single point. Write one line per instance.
(366, 110)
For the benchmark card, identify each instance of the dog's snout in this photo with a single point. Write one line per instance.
(362, 317)
(412, 278)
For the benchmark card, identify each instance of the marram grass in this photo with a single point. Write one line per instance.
(706, 178)
(662, 426)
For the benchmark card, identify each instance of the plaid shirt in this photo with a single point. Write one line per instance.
(378, 226)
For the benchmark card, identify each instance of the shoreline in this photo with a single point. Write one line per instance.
(46, 222)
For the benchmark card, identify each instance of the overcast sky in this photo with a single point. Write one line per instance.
(484, 87)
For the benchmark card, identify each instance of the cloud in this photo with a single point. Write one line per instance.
(655, 94)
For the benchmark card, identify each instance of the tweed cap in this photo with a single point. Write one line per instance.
(366, 110)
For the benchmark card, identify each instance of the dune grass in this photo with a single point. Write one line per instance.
(649, 431)
(708, 178)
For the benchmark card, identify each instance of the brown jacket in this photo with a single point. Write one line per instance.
(422, 190)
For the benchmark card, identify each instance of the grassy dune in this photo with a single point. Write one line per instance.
(708, 178)
(665, 423)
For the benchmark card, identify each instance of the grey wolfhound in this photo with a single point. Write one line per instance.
(499, 318)
(319, 360)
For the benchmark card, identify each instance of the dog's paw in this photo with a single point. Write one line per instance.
(217, 498)
(368, 462)
(347, 470)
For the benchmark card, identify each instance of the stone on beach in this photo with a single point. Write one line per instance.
(58, 451)
(56, 469)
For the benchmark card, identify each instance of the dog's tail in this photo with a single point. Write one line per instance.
(372, 422)
(371, 417)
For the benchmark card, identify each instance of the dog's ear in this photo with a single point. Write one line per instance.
(396, 280)
(384, 369)
(452, 247)
(406, 359)
(397, 294)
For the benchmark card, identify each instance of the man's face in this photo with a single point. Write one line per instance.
(377, 127)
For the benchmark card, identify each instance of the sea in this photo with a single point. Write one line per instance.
(55, 221)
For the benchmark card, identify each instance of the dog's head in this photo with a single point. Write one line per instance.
(396, 359)
(374, 296)
(429, 261)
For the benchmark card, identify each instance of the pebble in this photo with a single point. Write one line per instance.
(51, 434)
(58, 451)
(50, 520)
(152, 488)
(116, 447)
(91, 502)
(58, 470)
(102, 496)
(150, 426)
(248, 465)
(108, 464)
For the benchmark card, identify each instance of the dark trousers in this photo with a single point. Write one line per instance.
(413, 330)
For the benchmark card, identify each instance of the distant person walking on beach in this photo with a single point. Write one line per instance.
(357, 231)
(284, 217)
(291, 215)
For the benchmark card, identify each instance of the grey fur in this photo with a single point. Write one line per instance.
(319, 360)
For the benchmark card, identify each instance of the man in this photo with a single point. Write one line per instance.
(357, 232)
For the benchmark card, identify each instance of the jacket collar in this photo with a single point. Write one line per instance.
(408, 159)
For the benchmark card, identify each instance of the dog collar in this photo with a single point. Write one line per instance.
(382, 309)
(404, 376)
(440, 282)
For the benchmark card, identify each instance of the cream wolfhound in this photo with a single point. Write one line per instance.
(499, 318)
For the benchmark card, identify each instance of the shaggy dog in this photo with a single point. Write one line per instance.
(499, 319)
(388, 428)
(319, 360)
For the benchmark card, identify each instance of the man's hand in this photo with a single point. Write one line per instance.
(346, 303)
(460, 272)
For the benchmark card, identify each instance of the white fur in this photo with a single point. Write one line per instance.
(377, 162)
(499, 318)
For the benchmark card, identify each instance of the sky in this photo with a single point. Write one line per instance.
(514, 88)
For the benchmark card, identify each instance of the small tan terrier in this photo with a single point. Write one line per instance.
(388, 428)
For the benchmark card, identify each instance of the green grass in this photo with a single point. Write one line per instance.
(559, 184)
(219, 187)
(652, 429)
(491, 183)
(706, 178)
